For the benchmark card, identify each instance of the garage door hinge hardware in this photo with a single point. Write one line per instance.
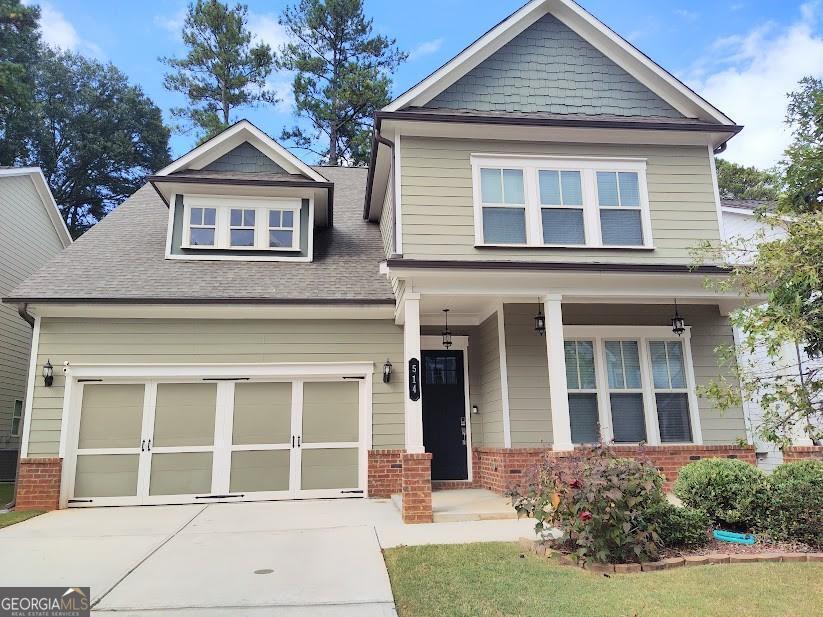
(351, 492)
(353, 377)
(225, 378)
(81, 500)
(88, 380)
(218, 496)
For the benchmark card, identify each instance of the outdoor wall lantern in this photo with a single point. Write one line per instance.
(48, 374)
(387, 371)
(475, 410)
(540, 320)
(678, 324)
(447, 335)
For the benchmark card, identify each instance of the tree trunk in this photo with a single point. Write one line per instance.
(333, 144)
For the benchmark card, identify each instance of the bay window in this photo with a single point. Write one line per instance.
(630, 384)
(536, 201)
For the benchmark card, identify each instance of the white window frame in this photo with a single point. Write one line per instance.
(242, 227)
(588, 168)
(17, 404)
(224, 204)
(655, 390)
(603, 420)
(643, 335)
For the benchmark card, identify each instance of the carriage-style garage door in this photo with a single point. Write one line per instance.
(219, 439)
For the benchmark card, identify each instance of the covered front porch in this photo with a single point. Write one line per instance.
(515, 377)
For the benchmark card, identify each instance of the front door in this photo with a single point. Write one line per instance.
(444, 414)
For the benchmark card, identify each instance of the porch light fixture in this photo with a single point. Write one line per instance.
(678, 324)
(540, 320)
(447, 334)
(48, 374)
(387, 371)
(475, 410)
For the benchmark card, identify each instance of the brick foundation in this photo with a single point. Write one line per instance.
(792, 454)
(498, 469)
(385, 472)
(417, 488)
(38, 484)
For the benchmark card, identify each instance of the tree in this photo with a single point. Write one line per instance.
(783, 264)
(342, 76)
(19, 50)
(740, 182)
(95, 136)
(222, 69)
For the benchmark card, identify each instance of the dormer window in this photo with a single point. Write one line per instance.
(241, 223)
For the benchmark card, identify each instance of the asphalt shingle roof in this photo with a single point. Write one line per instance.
(746, 204)
(122, 258)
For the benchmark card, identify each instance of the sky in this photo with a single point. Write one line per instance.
(742, 55)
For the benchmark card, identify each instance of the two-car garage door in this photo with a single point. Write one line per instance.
(200, 440)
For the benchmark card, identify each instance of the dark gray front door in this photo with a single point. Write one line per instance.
(444, 414)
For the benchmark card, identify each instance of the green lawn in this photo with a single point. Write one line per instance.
(492, 579)
(6, 493)
(10, 518)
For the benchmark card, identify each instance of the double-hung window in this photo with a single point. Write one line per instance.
(671, 391)
(242, 224)
(536, 201)
(16, 417)
(582, 386)
(625, 390)
(503, 205)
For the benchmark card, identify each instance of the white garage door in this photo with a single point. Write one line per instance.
(196, 441)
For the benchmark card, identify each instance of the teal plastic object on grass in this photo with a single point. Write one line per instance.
(730, 536)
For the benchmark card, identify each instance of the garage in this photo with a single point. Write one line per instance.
(181, 438)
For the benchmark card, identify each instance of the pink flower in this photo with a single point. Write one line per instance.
(585, 516)
(575, 483)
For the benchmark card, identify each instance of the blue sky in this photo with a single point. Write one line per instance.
(743, 55)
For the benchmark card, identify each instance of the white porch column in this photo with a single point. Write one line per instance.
(561, 425)
(411, 349)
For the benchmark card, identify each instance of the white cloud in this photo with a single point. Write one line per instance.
(747, 76)
(57, 31)
(426, 49)
(266, 29)
(172, 23)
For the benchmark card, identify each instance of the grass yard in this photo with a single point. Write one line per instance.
(10, 518)
(6, 493)
(492, 579)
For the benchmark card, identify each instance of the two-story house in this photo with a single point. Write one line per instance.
(509, 278)
(31, 232)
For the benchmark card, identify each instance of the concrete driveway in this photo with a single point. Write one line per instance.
(294, 558)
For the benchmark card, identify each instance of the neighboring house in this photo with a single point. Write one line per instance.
(740, 222)
(224, 333)
(31, 232)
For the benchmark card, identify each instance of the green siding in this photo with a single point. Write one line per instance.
(102, 341)
(27, 241)
(550, 68)
(529, 406)
(485, 385)
(438, 212)
(245, 158)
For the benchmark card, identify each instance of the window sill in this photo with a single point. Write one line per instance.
(589, 247)
(241, 249)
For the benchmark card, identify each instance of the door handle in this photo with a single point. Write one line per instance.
(292, 441)
(143, 446)
(149, 445)
(298, 441)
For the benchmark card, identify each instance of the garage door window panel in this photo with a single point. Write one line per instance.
(262, 413)
(180, 473)
(260, 470)
(111, 416)
(184, 415)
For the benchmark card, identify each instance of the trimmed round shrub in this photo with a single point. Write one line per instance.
(796, 502)
(730, 491)
(680, 527)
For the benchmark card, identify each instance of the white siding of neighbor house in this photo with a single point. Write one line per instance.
(27, 241)
(151, 341)
(438, 212)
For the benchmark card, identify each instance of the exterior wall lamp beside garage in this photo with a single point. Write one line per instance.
(387, 371)
(48, 374)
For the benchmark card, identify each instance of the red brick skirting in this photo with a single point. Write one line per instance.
(501, 468)
(385, 472)
(792, 454)
(417, 488)
(38, 484)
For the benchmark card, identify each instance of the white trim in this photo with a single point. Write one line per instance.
(46, 198)
(595, 32)
(459, 343)
(504, 376)
(716, 190)
(412, 410)
(588, 167)
(232, 137)
(29, 400)
(397, 186)
(556, 357)
(209, 370)
(643, 335)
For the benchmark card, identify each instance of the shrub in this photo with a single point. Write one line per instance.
(730, 491)
(796, 502)
(598, 501)
(680, 527)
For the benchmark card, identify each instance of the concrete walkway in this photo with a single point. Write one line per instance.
(293, 558)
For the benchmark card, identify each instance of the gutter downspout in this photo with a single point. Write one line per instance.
(721, 148)
(22, 310)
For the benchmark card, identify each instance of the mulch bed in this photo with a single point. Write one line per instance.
(763, 545)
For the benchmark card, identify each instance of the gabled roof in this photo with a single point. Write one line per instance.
(235, 135)
(626, 56)
(47, 199)
(746, 206)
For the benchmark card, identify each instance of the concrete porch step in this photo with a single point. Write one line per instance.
(470, 504)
